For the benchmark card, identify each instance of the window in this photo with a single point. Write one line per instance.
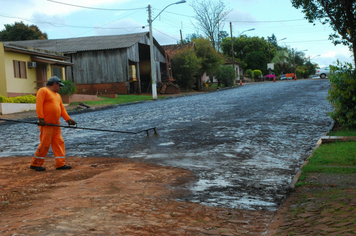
(20, 69)
(57, 71)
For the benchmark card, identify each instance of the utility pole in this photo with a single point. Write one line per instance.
(232, 51)
(181, 37)
(153, 63)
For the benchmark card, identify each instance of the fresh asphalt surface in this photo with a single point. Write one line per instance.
(244, 144)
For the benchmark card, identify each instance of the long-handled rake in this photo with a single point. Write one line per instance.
(85, 128)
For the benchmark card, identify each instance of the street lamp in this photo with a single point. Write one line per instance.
(314, 57)
(153, 63)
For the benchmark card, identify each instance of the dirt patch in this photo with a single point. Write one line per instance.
(110, 196)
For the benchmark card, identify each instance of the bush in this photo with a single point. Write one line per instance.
(185, 65)
(342, 94)
(69, 88)
(19, 99)
(257, 73)
(226, 75)
(249, 73)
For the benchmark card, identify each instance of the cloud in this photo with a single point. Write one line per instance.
(124, 26)
(331, 56)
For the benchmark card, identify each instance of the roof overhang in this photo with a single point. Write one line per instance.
(34, 52)
(50, 61)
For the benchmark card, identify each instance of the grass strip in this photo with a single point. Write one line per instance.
(121, 99)
(344, 132)
(337, 157)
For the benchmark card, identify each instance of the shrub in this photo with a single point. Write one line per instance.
(270, 77)
(249, 73)
(19, 99)
(226, 75)
(257, 73)
(185, 65)
(69, 88)
(342, 94)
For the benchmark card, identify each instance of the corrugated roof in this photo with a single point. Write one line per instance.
(83, 43)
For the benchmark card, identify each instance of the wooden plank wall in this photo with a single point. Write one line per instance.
(95, 67)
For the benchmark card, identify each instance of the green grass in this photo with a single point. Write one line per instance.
(335, 154)
(343, 132)
(337, 157)
(121, 99)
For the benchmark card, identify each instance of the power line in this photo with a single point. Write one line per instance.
(166, 34)
(68, 26)
(273, 21)
(95, 8)
(174, 13)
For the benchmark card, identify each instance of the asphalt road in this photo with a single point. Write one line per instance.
(244, 144)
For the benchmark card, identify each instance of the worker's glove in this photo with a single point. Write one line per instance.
(41, 122)
(71, 122)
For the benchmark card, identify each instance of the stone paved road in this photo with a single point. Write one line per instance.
(244, 144)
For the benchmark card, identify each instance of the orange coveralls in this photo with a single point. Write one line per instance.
(50, 107)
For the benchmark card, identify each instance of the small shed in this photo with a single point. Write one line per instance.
(114, 64)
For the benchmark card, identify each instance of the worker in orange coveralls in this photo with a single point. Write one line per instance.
(49, 109)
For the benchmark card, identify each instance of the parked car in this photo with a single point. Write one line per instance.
(284, 77)
(322, 72)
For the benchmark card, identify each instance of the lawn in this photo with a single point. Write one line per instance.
(121, 99)
(343, 132)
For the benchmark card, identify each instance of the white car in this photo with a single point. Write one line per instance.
(323, 72)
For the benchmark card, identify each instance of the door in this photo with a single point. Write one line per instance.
(41, 75)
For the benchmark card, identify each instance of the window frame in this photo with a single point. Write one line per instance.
(61, 69)
(20, 69)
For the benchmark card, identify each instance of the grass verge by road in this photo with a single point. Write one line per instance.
(121, 99)
(337, 157)
(323, 202)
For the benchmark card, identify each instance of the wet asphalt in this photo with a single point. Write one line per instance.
(244, 144)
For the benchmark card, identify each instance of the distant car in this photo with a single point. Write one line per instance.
(283, 77)
(322, 72)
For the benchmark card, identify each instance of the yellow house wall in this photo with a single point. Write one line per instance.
(3, 86)
(16, 85)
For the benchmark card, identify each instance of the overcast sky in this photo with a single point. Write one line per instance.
(128, 16)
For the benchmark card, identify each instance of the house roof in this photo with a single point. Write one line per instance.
(176, 47)
(92, 43)
(229, 61)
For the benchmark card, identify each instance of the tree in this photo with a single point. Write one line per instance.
(185, 66)
(251, 50)
(190, 37)
(256, 61)
(342, 94)
(340, 14)
(225, 75)
(19, 31)
(223, 34)
(210, 15)
(273, 40)
(210, 59)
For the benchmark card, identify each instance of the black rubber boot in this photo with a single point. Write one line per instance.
(38, 168)
(65, 167)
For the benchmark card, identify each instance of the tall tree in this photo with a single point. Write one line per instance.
(210, 58)
(340, 14)
(19, 31)
(210, 15)
(252, 50)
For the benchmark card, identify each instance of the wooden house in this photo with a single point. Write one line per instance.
(115, 64)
